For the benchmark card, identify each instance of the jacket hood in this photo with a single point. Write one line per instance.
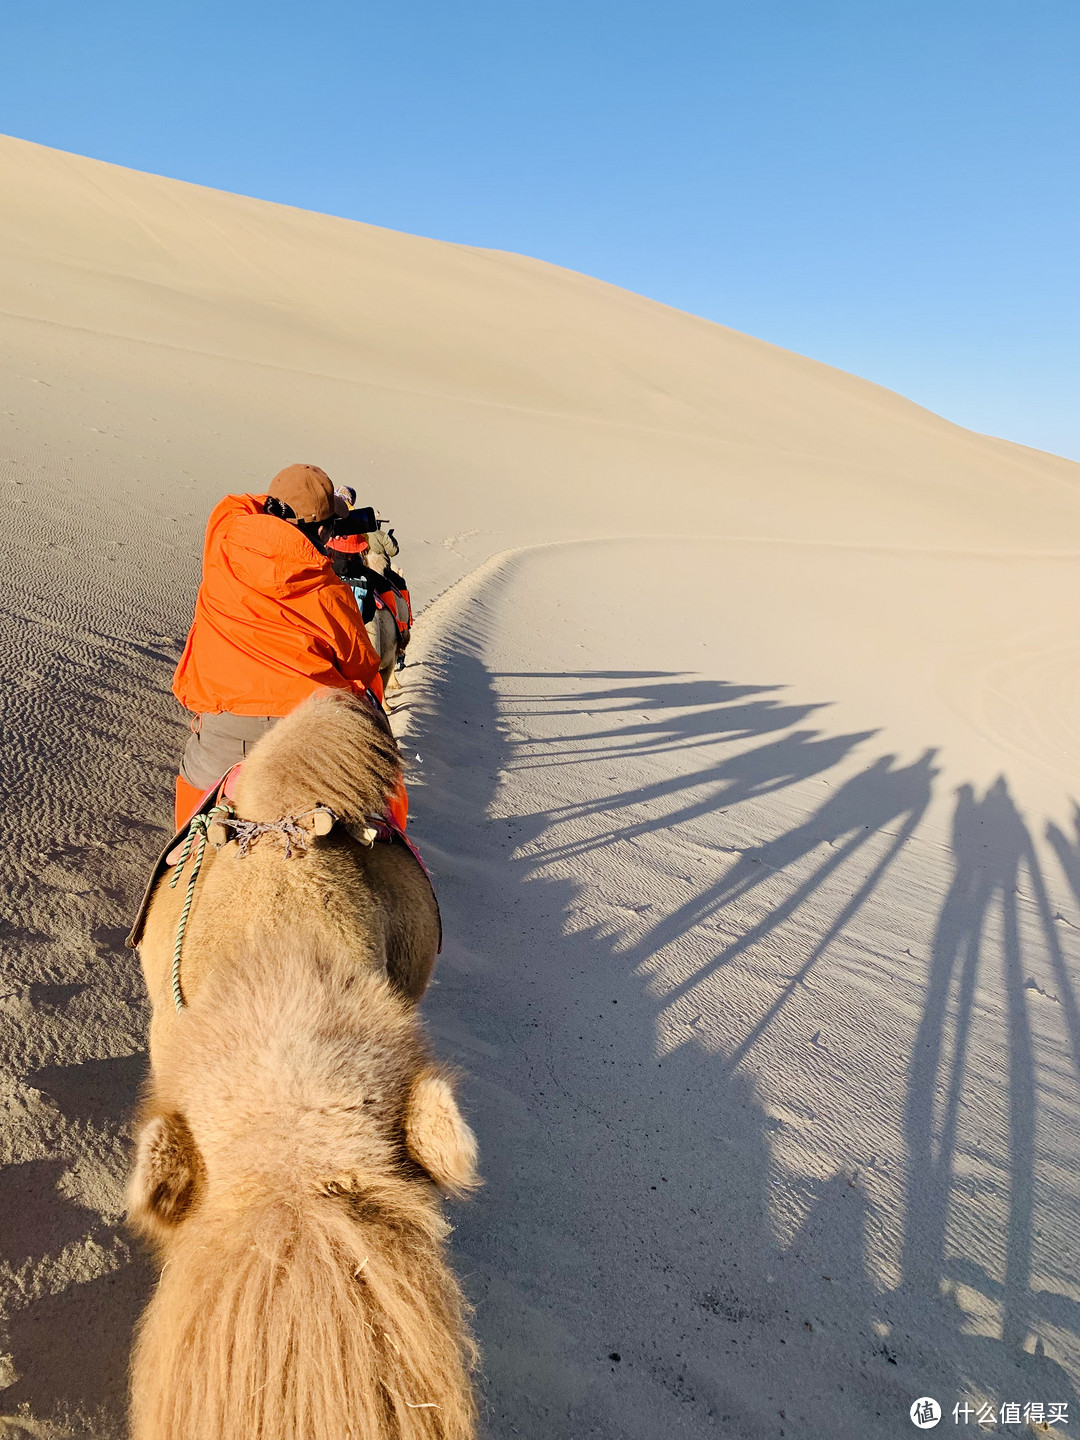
(266, 553)
(272, 555)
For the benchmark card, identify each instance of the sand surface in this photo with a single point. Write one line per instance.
(748, 746)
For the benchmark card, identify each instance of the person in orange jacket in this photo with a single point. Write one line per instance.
(273, 624)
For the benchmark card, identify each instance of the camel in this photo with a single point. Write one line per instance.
(373, 900)
(296, 1134)
(383, 633)
(362, 559)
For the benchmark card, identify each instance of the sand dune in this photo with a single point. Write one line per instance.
(762, 725)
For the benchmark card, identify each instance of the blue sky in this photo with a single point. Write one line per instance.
(890, 187)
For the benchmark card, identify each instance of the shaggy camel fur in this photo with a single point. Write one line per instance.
(372, 902)
(285, 1159)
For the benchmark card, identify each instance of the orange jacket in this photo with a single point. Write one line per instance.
(273, 623)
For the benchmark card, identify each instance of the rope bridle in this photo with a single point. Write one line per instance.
(246, 832)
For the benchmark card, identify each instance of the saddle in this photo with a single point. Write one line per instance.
(392, 593)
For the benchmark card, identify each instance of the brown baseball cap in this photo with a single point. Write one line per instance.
(308, 490)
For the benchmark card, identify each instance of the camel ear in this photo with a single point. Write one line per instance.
(437, 1136)
(162, 1185)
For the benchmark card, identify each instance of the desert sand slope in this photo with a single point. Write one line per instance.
(770, 1013)
(789, 776)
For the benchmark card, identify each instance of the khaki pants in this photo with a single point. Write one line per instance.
(217, 743)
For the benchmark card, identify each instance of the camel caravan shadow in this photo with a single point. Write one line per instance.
(625, 1258)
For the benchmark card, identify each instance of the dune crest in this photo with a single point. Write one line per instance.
(508, 367)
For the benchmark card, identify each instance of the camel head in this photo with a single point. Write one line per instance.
(170, 1174)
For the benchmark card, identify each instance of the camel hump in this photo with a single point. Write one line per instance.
(330, 751)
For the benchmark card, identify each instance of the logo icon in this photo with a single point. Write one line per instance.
(925, 1413)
